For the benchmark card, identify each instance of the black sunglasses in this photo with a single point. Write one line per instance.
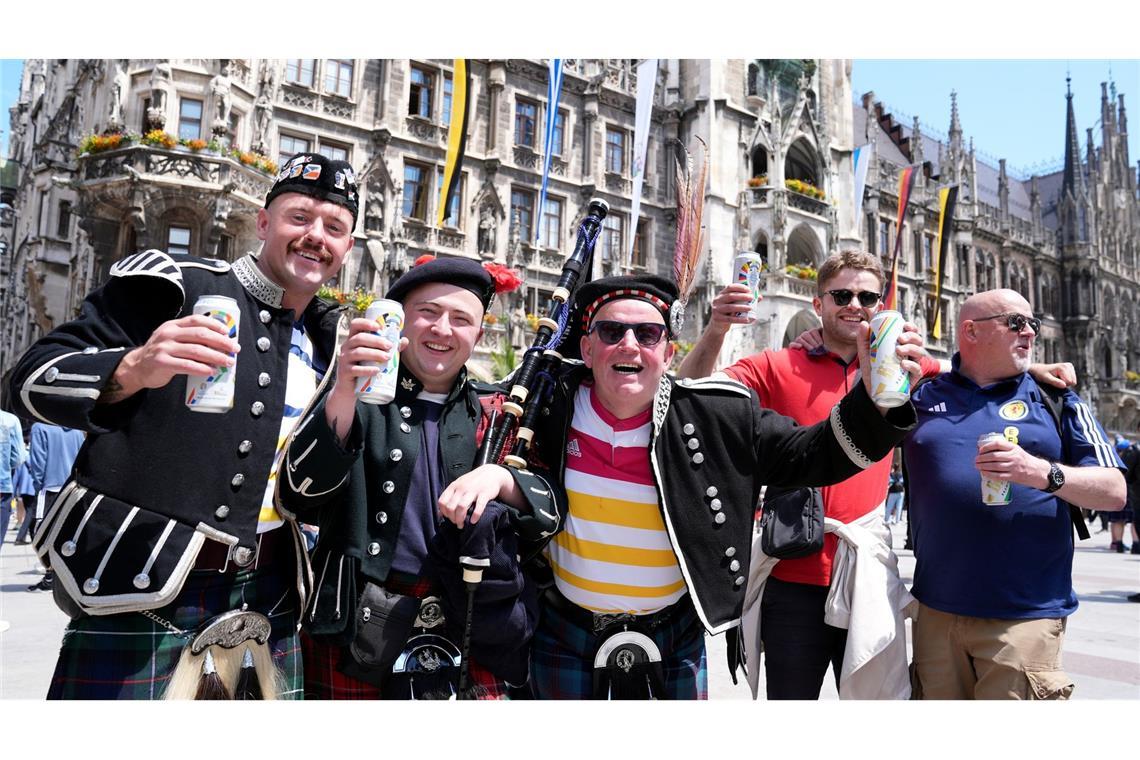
(611, 333)
(842, 297)
(1016, 322)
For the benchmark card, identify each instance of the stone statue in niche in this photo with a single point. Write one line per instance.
(161, 77)
(518, 327)
(120, 85)
(220, 89)
(487, 231)
(374, 210)
(262, 116)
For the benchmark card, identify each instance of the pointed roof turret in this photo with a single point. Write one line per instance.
(1072, 180)
(955, 125)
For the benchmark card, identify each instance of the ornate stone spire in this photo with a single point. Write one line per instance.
(1073, 178)
(955, 126)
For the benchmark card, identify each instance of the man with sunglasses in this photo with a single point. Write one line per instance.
(994, 580)
(798, 643)
(662, 478)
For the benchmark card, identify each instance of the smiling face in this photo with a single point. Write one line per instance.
(990, 350)
(442, 324)
(626, 374)
(305, 242)
(841, 323)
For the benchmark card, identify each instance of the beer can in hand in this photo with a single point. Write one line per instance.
(747, 267)
(215, 393)
(381, 387)
(890, 383)
(995, 492)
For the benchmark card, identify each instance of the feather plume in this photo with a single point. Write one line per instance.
(688, 254)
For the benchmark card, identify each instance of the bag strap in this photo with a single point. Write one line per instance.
(1054, 400)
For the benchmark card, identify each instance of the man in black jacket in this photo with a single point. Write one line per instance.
(370, 476)
(168, 520)
(662, 478)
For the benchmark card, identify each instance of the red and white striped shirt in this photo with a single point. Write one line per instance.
(614, 554)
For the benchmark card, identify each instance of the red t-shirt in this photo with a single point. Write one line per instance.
(805, 386)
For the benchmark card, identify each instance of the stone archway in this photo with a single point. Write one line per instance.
(803, 162)
(804, 319)
(804, 247)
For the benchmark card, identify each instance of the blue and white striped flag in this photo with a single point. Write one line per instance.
(646, 83)
(554, 89)
(860, 160)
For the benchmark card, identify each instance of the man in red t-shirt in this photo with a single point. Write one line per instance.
(804, 385)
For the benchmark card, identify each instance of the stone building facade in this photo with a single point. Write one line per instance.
(76, 214)
(780, 136)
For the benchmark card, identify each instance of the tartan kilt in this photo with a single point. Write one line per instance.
(129, 656)
(323, 679)
(562, 656)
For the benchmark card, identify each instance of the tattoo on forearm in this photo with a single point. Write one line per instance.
(112, 393)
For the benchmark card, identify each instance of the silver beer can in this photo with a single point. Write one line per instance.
(995, 492)
(890, 383)
(215, 393)
(746, 267)
(381, 387)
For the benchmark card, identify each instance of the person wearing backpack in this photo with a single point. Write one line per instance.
(994, 580)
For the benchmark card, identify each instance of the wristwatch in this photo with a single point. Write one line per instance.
(1056, 477)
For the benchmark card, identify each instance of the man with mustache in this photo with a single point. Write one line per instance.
(168, 520)
(993, 538)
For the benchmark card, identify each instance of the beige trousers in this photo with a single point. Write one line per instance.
(961, 657)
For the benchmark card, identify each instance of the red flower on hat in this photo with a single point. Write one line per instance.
(424, 259)
(506, 279)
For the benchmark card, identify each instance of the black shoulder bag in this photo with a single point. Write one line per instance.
(791, 525)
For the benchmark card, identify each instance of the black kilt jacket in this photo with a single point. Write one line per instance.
(357, 493)
(153, 479)
(712, 447)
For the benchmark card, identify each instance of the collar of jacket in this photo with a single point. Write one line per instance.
(408, 386)
(254, 280)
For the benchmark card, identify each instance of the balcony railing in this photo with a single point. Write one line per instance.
(203, 168)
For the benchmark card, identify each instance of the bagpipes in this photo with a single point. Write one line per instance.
(532, 384)
(534, 378)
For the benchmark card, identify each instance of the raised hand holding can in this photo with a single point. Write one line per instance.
(215, 393)
(747, 267)
(890, 383)
(380, 388)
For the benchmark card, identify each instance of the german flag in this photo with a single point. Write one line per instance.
(456, 137)
(906, 182)
(947, 198)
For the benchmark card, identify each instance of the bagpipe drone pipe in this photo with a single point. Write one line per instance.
(534, 377)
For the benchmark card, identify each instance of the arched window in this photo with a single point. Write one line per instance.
(802, 163)
(760, 161)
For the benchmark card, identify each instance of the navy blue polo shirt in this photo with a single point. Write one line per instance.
(1012, 561)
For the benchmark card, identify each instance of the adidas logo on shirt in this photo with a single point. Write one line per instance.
(572, 448)
(939, 407)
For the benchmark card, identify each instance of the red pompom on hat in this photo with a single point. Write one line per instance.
(506, 279)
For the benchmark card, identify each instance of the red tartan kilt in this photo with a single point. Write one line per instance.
(324, 681)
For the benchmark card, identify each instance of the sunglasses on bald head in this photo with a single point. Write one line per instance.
(843, 296)
(1016, 322)
(647, 334)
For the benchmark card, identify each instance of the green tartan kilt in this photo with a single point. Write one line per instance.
(129, 656)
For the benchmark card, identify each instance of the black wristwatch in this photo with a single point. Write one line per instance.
(1056, 477)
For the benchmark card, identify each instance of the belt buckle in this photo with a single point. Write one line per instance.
(603, 620)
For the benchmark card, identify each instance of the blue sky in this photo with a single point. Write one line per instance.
(10, 69)
(1014, 109)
